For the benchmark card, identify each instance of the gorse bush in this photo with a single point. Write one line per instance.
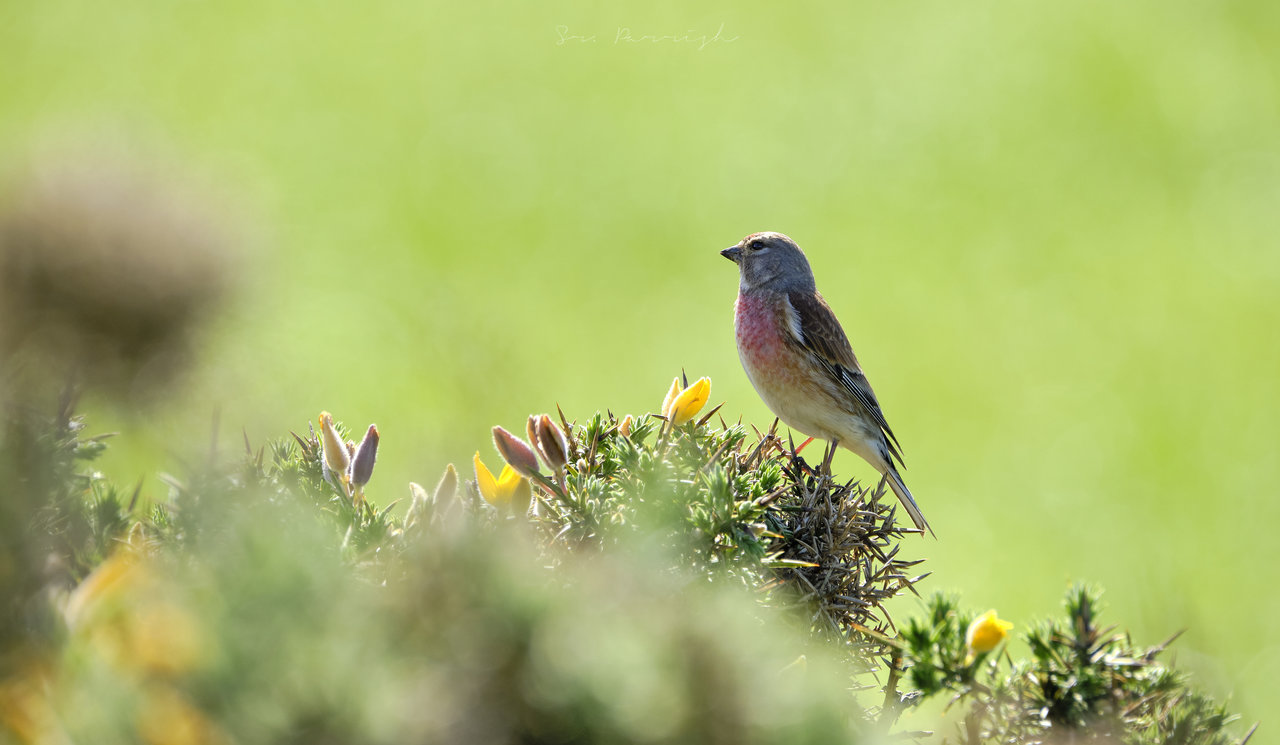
(665, 577)
(264, 601)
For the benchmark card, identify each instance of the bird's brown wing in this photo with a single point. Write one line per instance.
(819, 333)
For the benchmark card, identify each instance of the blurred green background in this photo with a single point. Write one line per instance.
(1050, 231)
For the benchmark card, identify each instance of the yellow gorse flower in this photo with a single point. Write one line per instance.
(985, 633)
(117, 577)
(124, 612)
(508, 487)
(167, 716)
(683, 404)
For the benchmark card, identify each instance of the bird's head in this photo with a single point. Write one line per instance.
(770, 261)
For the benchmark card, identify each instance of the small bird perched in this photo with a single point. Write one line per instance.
(800, 362)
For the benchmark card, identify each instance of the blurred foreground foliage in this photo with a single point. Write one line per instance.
(644, 579)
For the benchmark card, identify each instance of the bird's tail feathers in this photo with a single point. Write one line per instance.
(908, 502)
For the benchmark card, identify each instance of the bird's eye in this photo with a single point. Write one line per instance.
(756, 245)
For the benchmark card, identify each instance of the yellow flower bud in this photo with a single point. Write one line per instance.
(686, 405)
(336, 455)
(985, 633)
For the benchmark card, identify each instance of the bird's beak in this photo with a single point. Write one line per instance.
(732, 253)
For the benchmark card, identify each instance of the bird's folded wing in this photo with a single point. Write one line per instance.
(814, 327)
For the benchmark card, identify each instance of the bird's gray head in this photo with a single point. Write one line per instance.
(770, 261)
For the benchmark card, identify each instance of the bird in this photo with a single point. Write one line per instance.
(799, 360)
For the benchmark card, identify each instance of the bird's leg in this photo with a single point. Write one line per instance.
(795, 454)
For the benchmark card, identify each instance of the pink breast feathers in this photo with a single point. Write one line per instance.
(760, 341)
